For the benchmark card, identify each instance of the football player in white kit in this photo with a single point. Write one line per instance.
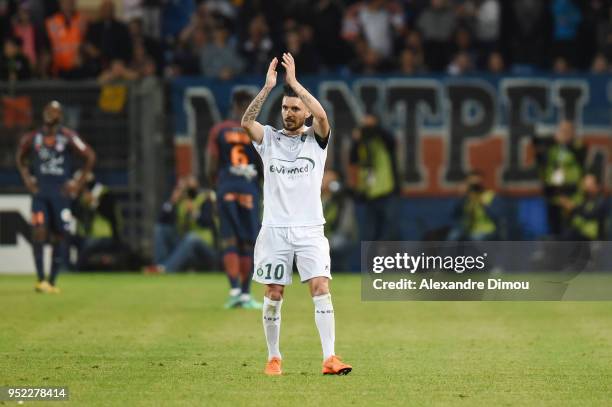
(292, 228)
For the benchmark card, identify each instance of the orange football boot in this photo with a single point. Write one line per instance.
(273, 367)
(333, 365)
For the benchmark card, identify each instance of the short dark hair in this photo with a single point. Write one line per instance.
(242, 98)
(288, 91)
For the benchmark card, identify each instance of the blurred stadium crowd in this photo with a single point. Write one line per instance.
(129, 39)
(126, 40)
(365, 206)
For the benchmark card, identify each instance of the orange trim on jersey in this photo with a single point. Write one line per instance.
(237, 137)
(244, 200)
(212, 144)
(38, 218)
(49, 140)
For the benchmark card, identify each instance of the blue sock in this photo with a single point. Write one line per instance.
(234, 282)
(57, 258)
(37, 249)
(246, 272)
(246, 286)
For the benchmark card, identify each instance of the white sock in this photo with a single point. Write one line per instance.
(324, 318)
(271, 324)
(245, 297)
(234, 292)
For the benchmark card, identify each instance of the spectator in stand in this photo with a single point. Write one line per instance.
(84, 68)
(303, 51)
(596, 15)
(186, 58)
(495, 63)
(437, 23)
(148, 12)
(599, 15)
(219, 58)
(288, 25)
(600, 64)
(14, 66)
(152, 18)
(461, 64)
(528, 34)
(606, 46)
(566, 19)
(175, 15)
(464, 10)
(258, 47)
(409, 64)
(463, 44)
(148, 69)
(200, 20)
(117, 72)
(141, 62)
(366, 61)
(378, 21)
(414, 42)
(326, 22)
(273, 10)
(64, 35)
(487, 25)
(40, 10)
(108, 39)
(28, 32)
(143, 44)
(561, 66)
(7, 9)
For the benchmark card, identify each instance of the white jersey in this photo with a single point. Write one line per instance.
(293, 173)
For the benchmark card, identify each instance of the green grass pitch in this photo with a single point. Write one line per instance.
(134, 340)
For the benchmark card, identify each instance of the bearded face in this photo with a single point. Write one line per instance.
(294, 113)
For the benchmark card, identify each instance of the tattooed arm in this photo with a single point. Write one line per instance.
(254, 128)
(320, 122)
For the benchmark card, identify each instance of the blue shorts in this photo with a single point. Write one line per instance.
(238, 214)
(52, 212)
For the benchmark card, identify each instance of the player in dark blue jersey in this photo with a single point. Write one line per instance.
(46, 160)
(233, 163)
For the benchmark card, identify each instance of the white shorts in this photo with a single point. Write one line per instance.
(277, 247)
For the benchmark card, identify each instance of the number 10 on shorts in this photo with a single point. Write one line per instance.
(267, 274)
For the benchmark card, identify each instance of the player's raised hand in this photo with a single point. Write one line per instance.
(271, 75)
(289, 65)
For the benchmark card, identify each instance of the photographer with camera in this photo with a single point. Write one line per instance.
(186, 232)
(373, 180)
(477, 214)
